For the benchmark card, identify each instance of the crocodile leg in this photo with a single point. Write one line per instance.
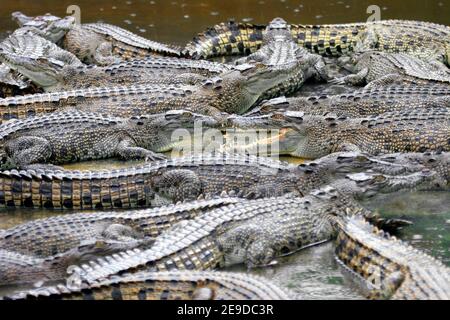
(178, 185)
(128, 150)
(104, 54)
(358, 79)
(28, 150)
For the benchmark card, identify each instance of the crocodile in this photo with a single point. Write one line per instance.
(53, 68)
(235, 91)
(361, 103)
(278, 47)
(177, 179)
(17, 268)
(380, 68)
(57, 235)
(51, 29)
(64, 137)
(313, 136)
(253, 232)
(167, 285)
(239, 176)
(388, 268)
(426, 40)
(102, 43)
(47, 26)
(438, 162)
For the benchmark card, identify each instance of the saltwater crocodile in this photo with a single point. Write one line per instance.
(438, 162)
(57, 235)
(53, 68)
(177, 180)
(363, 102)
(427, 40)
(64, 137)
(311, 136)
(188, 178)
(46, 27)
(170, 285)
(380, 68)
(279, 47)
(102, 43)
(253, 232)
(388, 267)
(233, 92)
(17, 268)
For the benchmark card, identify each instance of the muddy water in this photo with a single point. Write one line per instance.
(312, 273)
(178, 21)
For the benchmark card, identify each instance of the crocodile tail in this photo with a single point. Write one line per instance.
(226, 39)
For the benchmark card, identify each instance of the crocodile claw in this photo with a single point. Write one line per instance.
(155, 157)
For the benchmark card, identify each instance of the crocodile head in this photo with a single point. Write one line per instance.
(163, 132)
(47, 26)
(277, 30)
(366, 185)
(38, 59)
(44, 72)
(291, 132)
(241, 87)
(340, 164)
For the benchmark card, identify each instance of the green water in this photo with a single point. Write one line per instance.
(312, 273)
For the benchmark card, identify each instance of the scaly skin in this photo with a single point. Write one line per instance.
(242, 176)
(362, 103)
(53, 68)
(280, 48)
(17, 268)
(48, 27)
(388, 267)
(254, 232)
(56, 235)
(380, 68)
(59, 138)
(171, 285)
(311, 137)
(177, 180)
(437, 162)
(101, 43)
(425, 40)
(235, 91)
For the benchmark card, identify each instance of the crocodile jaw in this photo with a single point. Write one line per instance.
(41, 73)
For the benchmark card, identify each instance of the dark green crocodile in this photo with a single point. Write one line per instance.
(311, 136)
(177, 180)
(170, 285)
(102, 43)
(64, 137)
(426, 40)
(253, 232)
(388, 267)
(362, 103)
